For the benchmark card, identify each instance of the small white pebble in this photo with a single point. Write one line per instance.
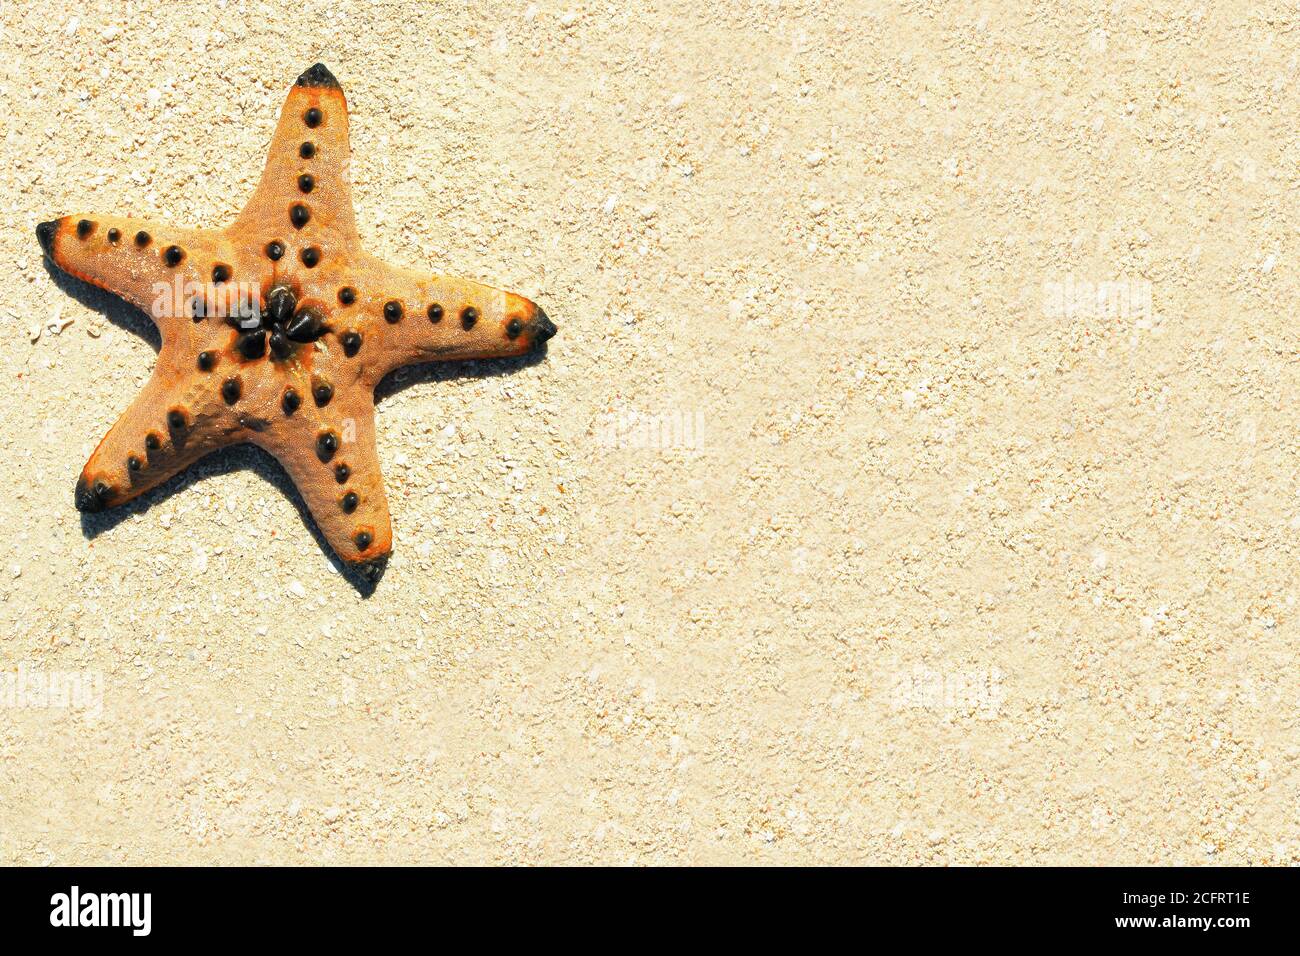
(296, 588)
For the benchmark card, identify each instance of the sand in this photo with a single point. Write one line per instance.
(913, 478)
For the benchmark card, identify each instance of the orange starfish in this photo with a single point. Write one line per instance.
(276, 330)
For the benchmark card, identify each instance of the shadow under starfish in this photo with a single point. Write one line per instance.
(223, 461)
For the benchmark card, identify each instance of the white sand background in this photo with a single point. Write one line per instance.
(951, 575)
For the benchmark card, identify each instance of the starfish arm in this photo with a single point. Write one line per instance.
(413, 317)
(329, 452)
(173, 422)
(153, 266)
(304, 196)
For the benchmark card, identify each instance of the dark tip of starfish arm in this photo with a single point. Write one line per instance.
(543, 329)
(45, 235)
(317, 75)
(371, 570)
(90, 497)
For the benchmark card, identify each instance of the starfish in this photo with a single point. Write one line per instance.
(276, 329)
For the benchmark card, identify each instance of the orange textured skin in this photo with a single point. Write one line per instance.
(104, 251)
